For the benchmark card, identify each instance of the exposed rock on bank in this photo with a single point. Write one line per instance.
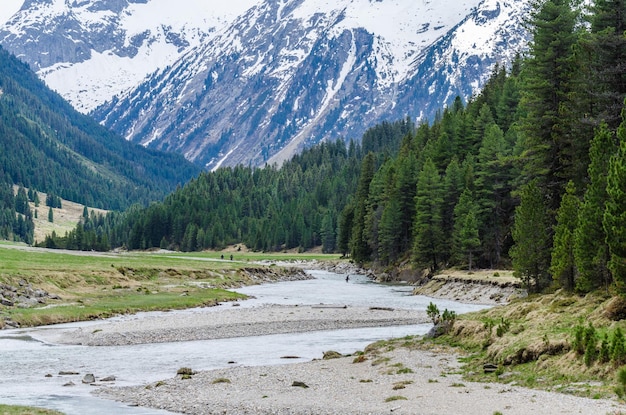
(480, 288)
(22, 295)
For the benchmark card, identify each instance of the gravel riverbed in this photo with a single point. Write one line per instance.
(396, 381)
(203, 324)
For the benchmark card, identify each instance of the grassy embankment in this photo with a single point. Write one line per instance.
(25, 410)
(532, 342)
(93, 285)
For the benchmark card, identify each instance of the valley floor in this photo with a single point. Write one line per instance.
(389, 377)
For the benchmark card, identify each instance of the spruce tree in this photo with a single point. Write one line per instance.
(466, 237)
(547, 83)
(359, 246)
(21, 201)
(563, 267)
(607, 45)
(590, 249)
(428, 242)
(492, 186)
(531, 233)
(615, 213)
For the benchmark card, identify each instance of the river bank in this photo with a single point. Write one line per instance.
(389, 377)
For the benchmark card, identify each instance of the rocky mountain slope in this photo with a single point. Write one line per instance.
(258, 80)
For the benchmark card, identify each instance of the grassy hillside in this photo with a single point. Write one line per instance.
(65, 218)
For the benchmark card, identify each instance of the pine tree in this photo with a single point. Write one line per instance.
(531, 252)
(346, 221)
(466, 237)
(608, 60)
(359, 246)
(50, 215)
(21, 201)
(453, 186)
(615, 214)
(428, 242)
(590, 249)
(547, 77)
(563, 267)
(492, 186)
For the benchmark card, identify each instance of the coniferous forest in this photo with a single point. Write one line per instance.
(528, 174)
(46, 145)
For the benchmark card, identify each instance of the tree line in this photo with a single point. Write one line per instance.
(528, 174)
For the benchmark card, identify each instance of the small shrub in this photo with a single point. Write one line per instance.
(605, 349)
(221, 380)
(618, 349)
(359, 359)
(621, 383)
(396, 398)
(503, 327)
(432, 311)
(185, 371)
(591, 342)
(578, 343)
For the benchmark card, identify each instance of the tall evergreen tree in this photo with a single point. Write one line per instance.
(563, 266)
(607, 44)
(453, 186)
(547, 78)
(466, 236)
(428, 242)
(360, 248)
(492, 186)
(531, 252)
(21, 201)
(615, 213)
(590, 249)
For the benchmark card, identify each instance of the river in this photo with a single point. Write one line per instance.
(26, 360)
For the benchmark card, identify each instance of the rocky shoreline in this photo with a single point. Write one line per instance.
(385, 379)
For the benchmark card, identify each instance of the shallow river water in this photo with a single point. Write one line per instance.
(25, 360)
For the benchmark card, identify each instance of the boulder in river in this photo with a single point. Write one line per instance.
(89, 378)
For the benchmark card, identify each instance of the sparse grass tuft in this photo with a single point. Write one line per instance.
(396, 398)
(221, 380)
(26, 410)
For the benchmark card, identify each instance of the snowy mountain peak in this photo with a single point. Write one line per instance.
(90, 50)
(254, 81)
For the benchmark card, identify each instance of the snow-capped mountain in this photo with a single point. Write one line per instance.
(91, 50)
(259, 83)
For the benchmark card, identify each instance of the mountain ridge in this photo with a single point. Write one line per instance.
(286, 74)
